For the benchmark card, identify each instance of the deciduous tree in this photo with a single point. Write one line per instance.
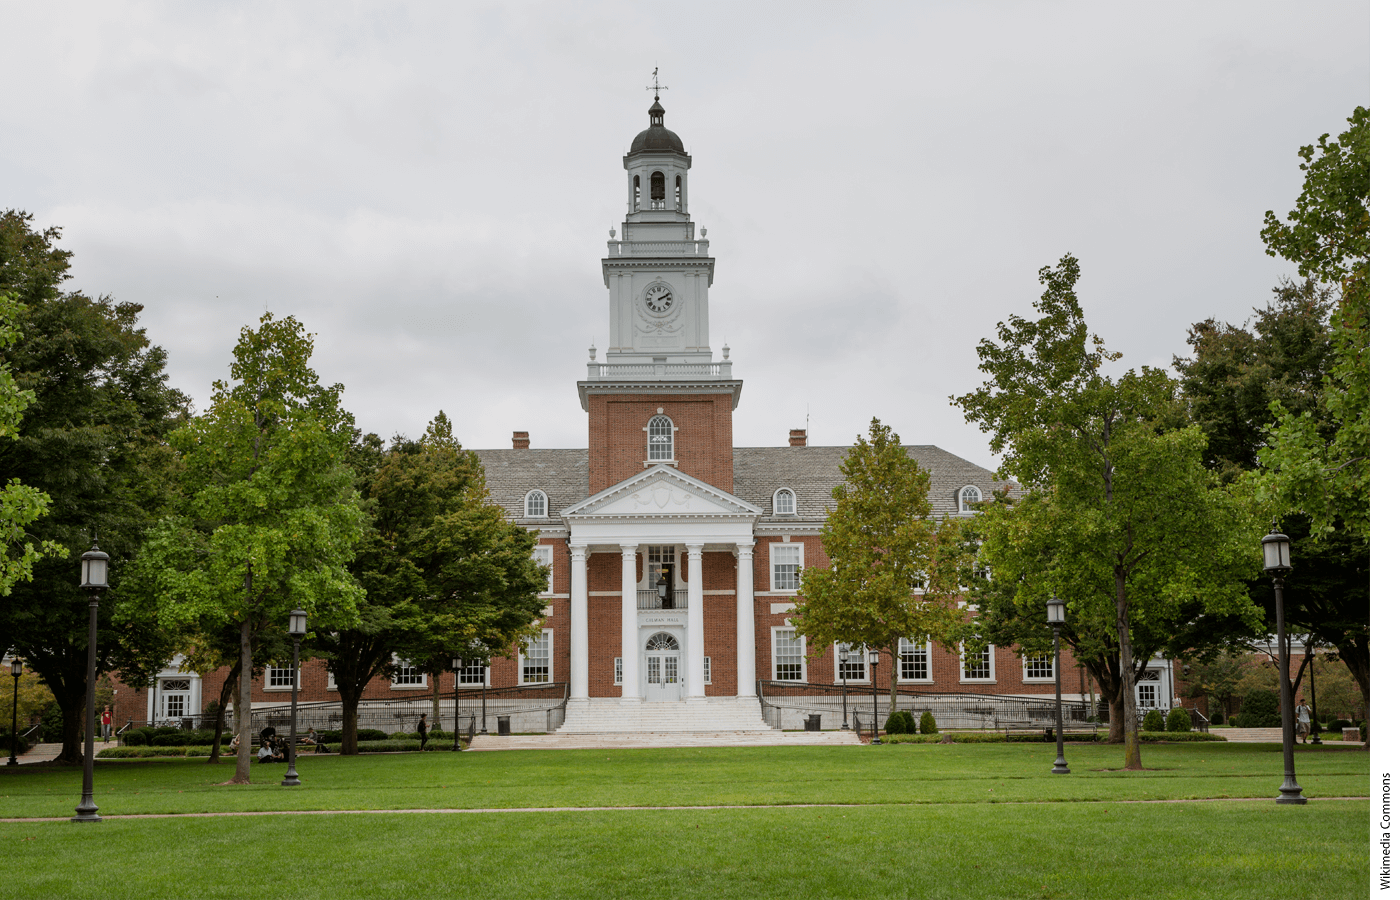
(1120, 518)
(267, 518)
(880, 539)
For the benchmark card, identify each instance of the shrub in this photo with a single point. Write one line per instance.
(395, 746)
(1178, 720)
(53, 724)
(1336, 725)
(927, 725)
(363, 734)
(1259, 710)
(1234, 720)
(1217, 718)
(135, 737)
(901, 722)
(1153, 721)
(1178, 736)
(437, 733)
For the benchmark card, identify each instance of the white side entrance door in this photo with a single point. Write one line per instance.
(661, 668)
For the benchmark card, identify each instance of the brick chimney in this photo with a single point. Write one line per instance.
(520, 440)
(797, 437)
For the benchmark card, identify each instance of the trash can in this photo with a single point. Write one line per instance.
(503, 724)
(813, 722)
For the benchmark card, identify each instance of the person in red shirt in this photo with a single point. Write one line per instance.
(106, 723)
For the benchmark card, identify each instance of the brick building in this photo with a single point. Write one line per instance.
(675, 556)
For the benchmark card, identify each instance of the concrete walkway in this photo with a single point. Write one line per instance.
(42, 753)
(633, 740)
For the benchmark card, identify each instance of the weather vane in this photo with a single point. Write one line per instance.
(656, 85)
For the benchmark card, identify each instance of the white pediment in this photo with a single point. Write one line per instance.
(661, 491)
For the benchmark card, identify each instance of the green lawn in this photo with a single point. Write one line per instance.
(932, 821)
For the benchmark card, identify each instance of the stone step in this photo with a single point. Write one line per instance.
(619, 740)
(712, 714)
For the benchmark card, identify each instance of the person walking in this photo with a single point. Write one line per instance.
(106, 723)
(423, 732)
(1303, 715)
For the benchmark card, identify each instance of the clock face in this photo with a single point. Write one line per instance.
(659, 299)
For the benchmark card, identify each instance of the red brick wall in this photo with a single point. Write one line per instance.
(617, 439)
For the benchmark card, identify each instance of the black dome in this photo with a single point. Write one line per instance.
(657, 137)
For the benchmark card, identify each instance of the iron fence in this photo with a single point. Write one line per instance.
(783, 702)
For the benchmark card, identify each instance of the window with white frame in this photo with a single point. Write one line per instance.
(537, 662)
(175, 692)
(853, 669)
(784, 503)
(977, 666)
(967, 497)
(472, 673)
(786, 560)
(659, 559)
(617, 670)
(544, 555)
(536, 505)
(1039, 668)
(789, 655)
(407, 675)
(707, 670)
(913, 660)
(661, 445)
(278, 678)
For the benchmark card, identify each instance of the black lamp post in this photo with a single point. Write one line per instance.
(1055, 615)
(297, 629)
(16, 669)
(484, 663)
(845, 658)
(456, 703)
(1278, 564)
(874, 698)
(94, 563)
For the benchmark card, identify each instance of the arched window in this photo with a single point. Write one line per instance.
(660, 439)
(967, 497)
(636, 192)
(663, 641)
(678, 193)
(784, 503)
(658, 190)
(536, 504)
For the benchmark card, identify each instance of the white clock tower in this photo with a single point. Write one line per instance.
(658, 274)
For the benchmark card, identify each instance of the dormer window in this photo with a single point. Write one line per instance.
(661, 445)
(536, 505)
(967, 497)
(658, 190)
(784, 503)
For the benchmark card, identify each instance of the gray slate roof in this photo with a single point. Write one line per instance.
(811, 473)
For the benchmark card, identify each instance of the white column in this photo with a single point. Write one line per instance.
(743, 631)
(578, 622)
(695, 624)
(630, 673)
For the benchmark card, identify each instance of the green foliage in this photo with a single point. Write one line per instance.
(1120, 516)
(927, 724)
(1153, 721)
(881, 544)
(364, 734)
(1161, 737)
(900, 722)
(53, 724)
(398, 745)
(1319, 463)
(1217, 718)
(1178, 720)
(1259, 709)
(19, 505)
(266, 518)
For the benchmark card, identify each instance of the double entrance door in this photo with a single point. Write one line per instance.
(662, 674)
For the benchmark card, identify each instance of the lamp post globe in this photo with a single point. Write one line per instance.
(94, 581)
(16, 670)
(296, 627)
(1277, 563)
(1055, 615)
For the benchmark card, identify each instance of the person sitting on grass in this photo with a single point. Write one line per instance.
(265, 754)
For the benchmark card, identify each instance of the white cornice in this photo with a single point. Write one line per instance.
(733, 387)
(732, 507)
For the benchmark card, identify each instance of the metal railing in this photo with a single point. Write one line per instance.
(952, 711)
(401, 713)
(654, 600)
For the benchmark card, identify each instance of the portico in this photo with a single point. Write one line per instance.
(651, 524)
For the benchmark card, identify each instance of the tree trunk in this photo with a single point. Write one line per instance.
(242, 770)
(349, 718)
(1132, 753)
(224, 693)
(894, 682)
(1111, 692)
(436, 694)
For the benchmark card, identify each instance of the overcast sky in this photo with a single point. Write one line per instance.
(429, 186)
